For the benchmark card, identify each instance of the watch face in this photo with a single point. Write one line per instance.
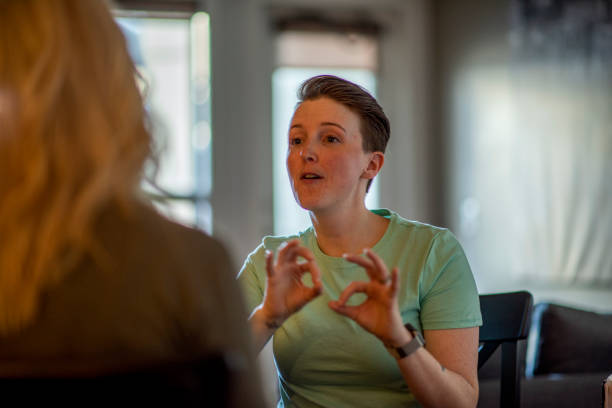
(410, 347)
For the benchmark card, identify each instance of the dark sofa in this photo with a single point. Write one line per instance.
(563, 363)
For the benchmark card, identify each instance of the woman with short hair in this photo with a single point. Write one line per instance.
(366, 308)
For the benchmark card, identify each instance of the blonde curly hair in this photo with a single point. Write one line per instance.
(73, 138)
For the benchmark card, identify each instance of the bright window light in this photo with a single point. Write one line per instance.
(172, 55)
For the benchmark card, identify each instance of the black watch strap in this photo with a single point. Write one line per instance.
(413, 345)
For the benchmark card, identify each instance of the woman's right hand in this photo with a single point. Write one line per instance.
(285, 292)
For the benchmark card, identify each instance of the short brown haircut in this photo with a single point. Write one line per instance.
(374, 124)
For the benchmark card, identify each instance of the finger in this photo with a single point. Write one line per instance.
(290, 242)
(313, 292)
(303, 252)
(310, 266)
(293, 250)
(394, 281)
(350, 290)
(381, 268)
(348, 311)
(365, 263)
(285, 251)
(269, 262)
(315, 274)
(375, 268)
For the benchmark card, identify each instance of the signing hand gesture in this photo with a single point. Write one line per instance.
(379, 313)
(285, 292)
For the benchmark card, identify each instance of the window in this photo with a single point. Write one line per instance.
(172, 55)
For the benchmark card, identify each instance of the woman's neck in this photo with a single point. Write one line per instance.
(348, 232)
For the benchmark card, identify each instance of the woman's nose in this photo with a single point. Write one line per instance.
(309, 153)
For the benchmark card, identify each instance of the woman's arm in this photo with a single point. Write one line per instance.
(444, 372)
(285, 292)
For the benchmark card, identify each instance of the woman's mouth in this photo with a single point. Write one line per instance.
(310, 176)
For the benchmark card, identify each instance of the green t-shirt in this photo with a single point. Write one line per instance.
(327, 360)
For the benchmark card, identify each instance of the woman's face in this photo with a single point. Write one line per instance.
(327, 166)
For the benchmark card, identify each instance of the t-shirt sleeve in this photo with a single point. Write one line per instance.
(251, 283)
(448, 293)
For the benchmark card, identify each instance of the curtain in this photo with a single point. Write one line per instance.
(532, 182)
(561, 86)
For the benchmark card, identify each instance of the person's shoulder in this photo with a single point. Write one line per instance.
(421, 233)
(416, 227)
(143, 229)
(273, 243)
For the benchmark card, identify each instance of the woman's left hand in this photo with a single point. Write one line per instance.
(379, 313)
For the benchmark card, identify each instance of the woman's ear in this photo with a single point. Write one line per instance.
(377, 159)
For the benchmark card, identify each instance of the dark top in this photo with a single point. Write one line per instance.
(157, 291)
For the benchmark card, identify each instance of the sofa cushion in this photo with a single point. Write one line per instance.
(571, 340)
(550, 391)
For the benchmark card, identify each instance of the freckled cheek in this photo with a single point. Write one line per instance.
(291, 164)
(339, 170)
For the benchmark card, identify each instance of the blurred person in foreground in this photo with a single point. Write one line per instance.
(366, 308)
(88, 270)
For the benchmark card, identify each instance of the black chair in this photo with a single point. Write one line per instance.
(203, 382)
(506, 318)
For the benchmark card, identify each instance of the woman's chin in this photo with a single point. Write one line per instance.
(309, 204)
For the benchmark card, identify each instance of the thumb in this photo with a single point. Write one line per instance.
(348, 311)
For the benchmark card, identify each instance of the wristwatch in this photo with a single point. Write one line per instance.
(413, 345)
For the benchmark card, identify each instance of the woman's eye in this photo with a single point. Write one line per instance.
(331, 139)
(295, 141)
